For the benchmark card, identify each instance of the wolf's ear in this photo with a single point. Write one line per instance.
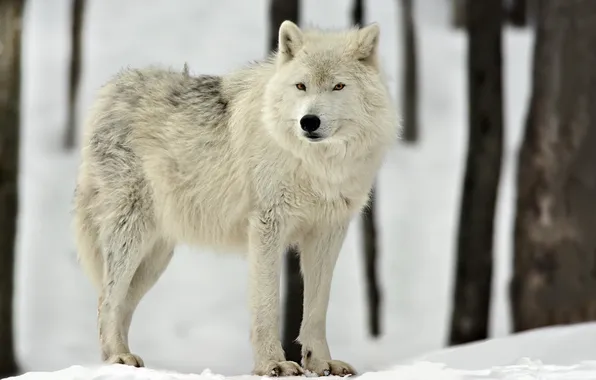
(368, 43)
(290, 40)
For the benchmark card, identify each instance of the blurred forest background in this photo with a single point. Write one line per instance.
(498, 100)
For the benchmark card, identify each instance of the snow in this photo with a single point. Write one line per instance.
(558, 345)
(524, 370)
(196, 317)
(550, 353)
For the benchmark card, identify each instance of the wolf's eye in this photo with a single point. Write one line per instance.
(301, 86)
(339, 87)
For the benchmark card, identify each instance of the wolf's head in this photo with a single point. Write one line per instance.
(327, 89)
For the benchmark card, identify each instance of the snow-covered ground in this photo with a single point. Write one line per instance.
(561, 353)
(195, 318)
(525, 369)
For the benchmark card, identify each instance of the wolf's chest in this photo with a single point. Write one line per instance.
(324, 203)
(318, 193)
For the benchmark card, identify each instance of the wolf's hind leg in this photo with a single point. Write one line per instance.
(147, 274)
(127, 239)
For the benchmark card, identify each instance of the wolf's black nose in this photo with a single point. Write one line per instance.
(310, 123)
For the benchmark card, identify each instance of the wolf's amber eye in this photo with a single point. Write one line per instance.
(301, 86)
(339, 86)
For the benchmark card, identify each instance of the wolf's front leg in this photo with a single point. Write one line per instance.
(318, 255)
(264, 256)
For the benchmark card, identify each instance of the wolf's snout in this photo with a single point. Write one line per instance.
(310, 123)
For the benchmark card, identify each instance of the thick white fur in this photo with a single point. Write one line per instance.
(221, 161)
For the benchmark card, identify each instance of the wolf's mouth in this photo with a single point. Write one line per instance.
(311, 136)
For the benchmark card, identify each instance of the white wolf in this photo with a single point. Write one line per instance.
(280, 153)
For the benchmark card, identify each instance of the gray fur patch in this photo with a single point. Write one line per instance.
(202, 91)
(207, 89)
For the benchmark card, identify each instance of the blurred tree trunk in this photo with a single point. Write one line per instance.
(11, 15)
(369, 231)
(458, 13)
(532, 16)
(522, 13)
(554, 277)
(517, 13)
(475, 239)
(78, 11)
(279, 11)
(410, 74)
(358, 13)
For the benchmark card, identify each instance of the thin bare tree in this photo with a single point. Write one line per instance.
(358, 12)
(78, 12)
(11, 19)
(369, 233)
(279, 11)
(470, 318)
(369, 230)
(411, 130)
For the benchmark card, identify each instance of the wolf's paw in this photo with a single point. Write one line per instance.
(128, 359)
(279, 369)
(327, 367)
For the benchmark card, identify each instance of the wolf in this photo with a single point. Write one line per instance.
(278, 153)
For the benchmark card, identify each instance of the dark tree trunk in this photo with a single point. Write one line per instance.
(293, 306)
(11, 16)
(458, 13)
(517, 13)
(475, 239)
(410, 75)
(369, 231)
(370, 262)
(358, 13)
(532, 12)
(78, 11)
(554, 276)
(279, 11)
